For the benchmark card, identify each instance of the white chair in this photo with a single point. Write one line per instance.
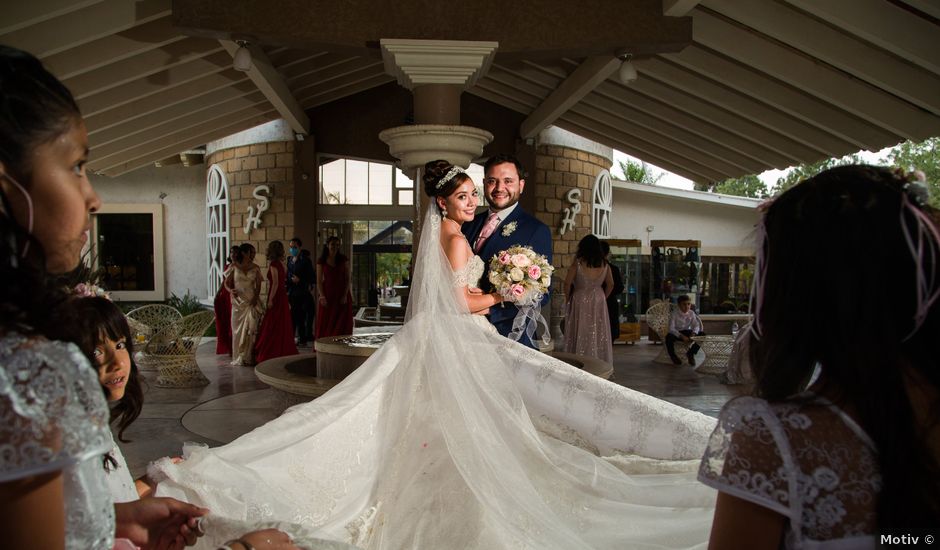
(145, 322)
(173, 351)
(657, 318)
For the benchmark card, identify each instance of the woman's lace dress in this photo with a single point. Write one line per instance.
(806, 460)
(53, 417)
(453, 437)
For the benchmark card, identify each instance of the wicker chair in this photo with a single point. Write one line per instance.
(657, 318)
(145, 322)
(173, 351)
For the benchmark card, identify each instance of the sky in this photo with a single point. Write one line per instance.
(769, 177)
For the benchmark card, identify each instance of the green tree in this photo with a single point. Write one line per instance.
(810, 169)
(745, 186)
(639, 172)
(923, 156)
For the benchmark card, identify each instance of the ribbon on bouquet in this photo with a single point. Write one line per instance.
(527, 322)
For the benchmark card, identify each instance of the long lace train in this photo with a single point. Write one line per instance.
(451, 436)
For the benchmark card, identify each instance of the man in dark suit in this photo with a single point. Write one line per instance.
(300, 277)
(503, 225)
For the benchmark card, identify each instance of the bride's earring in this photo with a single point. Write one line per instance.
(443, 212)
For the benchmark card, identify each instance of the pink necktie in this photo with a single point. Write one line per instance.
(491, 224)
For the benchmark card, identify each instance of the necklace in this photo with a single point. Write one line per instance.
(453, 222)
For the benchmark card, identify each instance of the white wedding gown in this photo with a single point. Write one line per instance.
(453, 437)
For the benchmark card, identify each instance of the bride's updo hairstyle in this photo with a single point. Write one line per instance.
(442, 177)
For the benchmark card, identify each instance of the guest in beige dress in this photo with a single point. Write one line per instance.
(587, 285)
(244, 283)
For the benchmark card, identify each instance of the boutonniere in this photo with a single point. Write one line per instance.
(508, 229)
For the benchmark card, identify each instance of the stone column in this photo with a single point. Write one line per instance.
(565, 161)
(261, 156)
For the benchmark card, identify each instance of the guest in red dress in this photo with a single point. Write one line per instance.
(276, 336)
(334, 308)
(223, 312)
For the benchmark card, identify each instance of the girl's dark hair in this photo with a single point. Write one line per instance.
(590, 252)
(100, 319)
(434, 171)
(835, 246)
(247, 249)
(325, 253)
(35, 108)
(232, 251)
(275, 250)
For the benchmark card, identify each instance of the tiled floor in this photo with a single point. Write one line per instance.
(235, 401)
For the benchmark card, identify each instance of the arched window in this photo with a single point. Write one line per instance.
(603, 202)
(217, 216)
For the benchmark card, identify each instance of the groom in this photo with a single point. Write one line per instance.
(503, 225)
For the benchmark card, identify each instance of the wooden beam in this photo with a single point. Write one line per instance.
(60, 33)
(678, 8)
(741, 105)
(147, 64)
(579, 83)
(114, 48)
(895, 29)
(806, 108)
(273, 86)
(97, 101)
(613, 94)
(814, 78)
(152, 121)
(19, 15)
(224, 83)
(848, 53)
(350, 70)
(663, 132)
(930, 7)
(188, 142)
(333, 93)
(165, 134)
(179, 140)
(646, 151)
(481, 90)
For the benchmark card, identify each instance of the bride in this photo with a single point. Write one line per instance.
(451, 436)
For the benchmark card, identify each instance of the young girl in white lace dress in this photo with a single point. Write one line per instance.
(54, 430)
(847, 288)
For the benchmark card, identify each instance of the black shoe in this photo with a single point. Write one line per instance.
(676, 361)
(691, 357)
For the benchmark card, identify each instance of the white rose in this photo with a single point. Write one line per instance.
(516, 274)
(520, 260)
(546, 281)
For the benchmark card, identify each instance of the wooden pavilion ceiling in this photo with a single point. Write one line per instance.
(762, 83)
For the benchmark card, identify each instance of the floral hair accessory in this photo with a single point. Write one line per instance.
(451, 174)
(508, 229)
(89, 290)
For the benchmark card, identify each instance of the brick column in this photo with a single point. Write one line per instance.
(245, 168)
(558, 169)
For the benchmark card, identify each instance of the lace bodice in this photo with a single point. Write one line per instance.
(53, 416)
(808, 461)
(469, 275)
(120, 482)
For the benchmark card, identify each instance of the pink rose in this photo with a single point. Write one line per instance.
(517, 290)
(535, 272)
(504, 258)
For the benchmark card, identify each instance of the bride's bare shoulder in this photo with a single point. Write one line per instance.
(456, 248)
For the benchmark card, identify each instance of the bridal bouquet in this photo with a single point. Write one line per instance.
(518, 273)
(522, 275)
